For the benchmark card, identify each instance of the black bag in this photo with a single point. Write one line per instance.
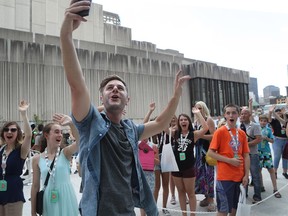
(40, 194)
(39, 202)
(285, 152)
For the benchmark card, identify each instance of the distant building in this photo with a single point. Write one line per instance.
(270, 91)
(253, 87)
(281, 100)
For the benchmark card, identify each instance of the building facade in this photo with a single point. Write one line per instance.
(31, 66)
(253, 87)
(271, 90)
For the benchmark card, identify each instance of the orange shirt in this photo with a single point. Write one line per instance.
(220, 143)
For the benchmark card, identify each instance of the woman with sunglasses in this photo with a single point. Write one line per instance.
(13, 154)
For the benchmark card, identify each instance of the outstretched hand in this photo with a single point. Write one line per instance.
(195, 110)
(72, 16)
(272, 108)
(152, 106)
(23, 106)
(62, 119)
(179, 80)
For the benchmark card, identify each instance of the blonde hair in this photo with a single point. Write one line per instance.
(204, 109)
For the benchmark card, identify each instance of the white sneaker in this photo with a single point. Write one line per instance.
(173, 200)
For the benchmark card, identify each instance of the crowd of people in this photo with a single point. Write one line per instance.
(120, 161)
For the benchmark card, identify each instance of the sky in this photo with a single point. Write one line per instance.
(250, 35)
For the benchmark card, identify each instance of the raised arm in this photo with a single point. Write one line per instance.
(250, 107)
(270, 111)
(26, 144)
(152, 107)
(66, 120)
(79, 91)
(200, 133)
(161, 122)
(281, 120)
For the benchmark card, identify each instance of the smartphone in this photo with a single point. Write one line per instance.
(84, 12)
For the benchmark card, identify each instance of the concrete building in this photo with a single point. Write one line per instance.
(253, 87)
(270, 91)
(31, 66)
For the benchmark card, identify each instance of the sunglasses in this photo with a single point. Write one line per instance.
(13, 130)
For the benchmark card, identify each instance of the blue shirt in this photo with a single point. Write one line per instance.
(91, 130)
(264, 144)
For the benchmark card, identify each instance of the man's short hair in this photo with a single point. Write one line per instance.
(263, 117)
(232, 105)
(277, 110)
(108, 79)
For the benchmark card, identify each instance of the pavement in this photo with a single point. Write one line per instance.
(268, 206)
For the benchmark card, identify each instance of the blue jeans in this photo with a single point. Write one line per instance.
(254, 170)
(278, 147)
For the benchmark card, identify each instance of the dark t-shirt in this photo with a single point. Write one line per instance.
(14, 168)
(278, 129)
(184, 150)
(116, 171)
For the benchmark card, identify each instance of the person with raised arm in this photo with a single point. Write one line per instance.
(278, 125)
(185, 138)
(59, 195)
(108, 143)
(14, 152)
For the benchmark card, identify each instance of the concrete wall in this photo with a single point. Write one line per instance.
(33, 71)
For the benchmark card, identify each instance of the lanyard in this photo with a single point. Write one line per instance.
(52, 172)
(4, 159)
(235, 144)
(162, 137)
(183, 138)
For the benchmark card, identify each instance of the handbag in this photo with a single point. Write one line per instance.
(243, 209)
(209, 160)
(168, 161)
(40, 194)
(285, 152)
(146, 156)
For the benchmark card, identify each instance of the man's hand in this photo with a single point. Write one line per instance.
(152, 106)
(71, 19)
(179, 80)
(235, 162)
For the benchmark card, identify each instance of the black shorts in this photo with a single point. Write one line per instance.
(188, 173)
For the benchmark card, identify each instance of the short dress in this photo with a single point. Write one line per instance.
(67, 203)
(14, 168)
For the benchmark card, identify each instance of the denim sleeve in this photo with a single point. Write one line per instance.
(140, 129)
(84, 125)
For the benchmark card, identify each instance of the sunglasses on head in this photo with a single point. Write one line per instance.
(13, 130)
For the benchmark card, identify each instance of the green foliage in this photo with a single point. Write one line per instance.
(37, 119)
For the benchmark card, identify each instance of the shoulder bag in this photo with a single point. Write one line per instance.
(40, 194)
(168, 161)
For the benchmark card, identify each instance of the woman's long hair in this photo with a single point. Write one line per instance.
(19, 137)
(43, 140)
(190, 127)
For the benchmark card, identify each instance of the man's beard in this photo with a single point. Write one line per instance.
(115, 108)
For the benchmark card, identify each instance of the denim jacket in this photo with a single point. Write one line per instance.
(92, 129)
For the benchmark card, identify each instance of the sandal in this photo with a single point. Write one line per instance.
(277, 194)
(211, 207)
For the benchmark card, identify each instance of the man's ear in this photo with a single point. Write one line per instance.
(101, 99)
(128, 100)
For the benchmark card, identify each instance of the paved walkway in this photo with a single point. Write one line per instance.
(271, 206)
